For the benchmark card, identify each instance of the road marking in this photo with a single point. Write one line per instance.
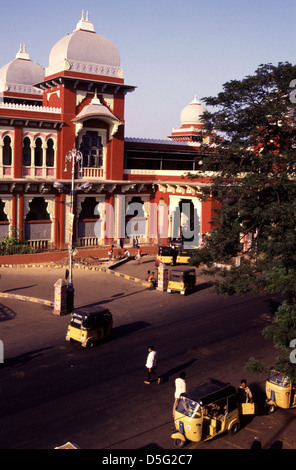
(253, 430)
(231, 444)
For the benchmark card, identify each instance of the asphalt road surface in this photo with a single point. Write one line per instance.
(53, 392)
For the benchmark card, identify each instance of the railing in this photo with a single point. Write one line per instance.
(40, 245)
(89, 241)
(93, 172)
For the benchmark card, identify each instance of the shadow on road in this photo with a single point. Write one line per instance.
(165, 377)
(20, 288)
(114, 297)
(123, 330)
(24, 358)
(203, 285)
(152, 445)
(6, 313)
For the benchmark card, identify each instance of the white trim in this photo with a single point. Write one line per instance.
(30, 107)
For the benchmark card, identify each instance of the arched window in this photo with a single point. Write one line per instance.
(3, 216)
(38, 210)
(38, 152)
(50, 153)
(7, 160)
(27, 152)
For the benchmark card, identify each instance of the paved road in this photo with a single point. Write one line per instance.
(52, 392)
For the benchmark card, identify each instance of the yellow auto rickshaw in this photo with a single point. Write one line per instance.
(166, 254)
(207, 411)
(181, 279)
(183, 256)
(280, 391)
(89, 325)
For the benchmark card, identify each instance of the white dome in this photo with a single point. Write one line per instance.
(83, 46)
(21, 74)
(192, 113)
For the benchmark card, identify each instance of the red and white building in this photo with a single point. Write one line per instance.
(78, 102)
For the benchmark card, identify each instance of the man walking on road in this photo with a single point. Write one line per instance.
(151, 364)
(180, 387)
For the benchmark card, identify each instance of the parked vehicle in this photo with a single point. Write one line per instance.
(89, 325)
(280, 391)
(183, 256)
(206, 411)
(166, 254)
(181, 279)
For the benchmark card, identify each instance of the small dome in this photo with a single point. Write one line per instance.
(84, 46)
(21, 74)
(192, 113)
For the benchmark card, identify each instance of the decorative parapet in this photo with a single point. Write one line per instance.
(19, 88)
(85, 67)
(30, 107)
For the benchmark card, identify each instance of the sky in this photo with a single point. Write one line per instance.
(171, 50)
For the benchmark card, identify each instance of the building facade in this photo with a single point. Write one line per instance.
(121, 187)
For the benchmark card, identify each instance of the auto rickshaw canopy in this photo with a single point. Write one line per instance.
(209, 391)
(180, 272)
(89, 316)
(165, 250)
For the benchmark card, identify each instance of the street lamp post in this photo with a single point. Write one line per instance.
(75, 157)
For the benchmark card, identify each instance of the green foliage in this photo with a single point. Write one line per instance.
(252, 177)
(13, 244)
(283, 328)
(255, 367)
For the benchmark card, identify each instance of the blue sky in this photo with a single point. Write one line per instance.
(170, 49)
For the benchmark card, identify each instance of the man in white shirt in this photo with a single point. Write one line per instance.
(151, 364)
(180, 385)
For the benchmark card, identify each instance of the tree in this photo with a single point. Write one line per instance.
(251, 174)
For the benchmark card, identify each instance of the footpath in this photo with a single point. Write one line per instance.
(94, 259)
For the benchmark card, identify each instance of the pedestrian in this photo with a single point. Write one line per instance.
(110, 252)
(127, 253)
(244, 394)
(153, 279)
(148, 275)
(180, 387)
(138, 255)
(151, 364)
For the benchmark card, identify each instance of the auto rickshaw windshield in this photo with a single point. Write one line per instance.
(188, 407)
(81, 323)
(278, 378)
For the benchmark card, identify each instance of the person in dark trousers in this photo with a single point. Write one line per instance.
(151, 364)
(244, 394)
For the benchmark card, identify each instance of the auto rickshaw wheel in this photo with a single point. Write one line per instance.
(235, 428)
(179, 443)
(271, 409)
(90, 344)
